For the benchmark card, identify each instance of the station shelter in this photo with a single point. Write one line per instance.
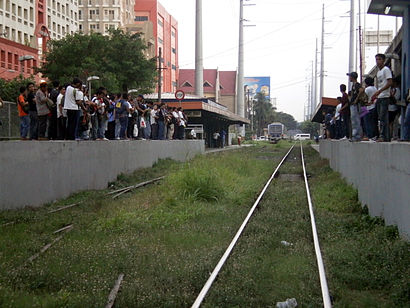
(204, 116)
(327, 104)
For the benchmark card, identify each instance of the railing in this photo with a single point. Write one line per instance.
(9, 120)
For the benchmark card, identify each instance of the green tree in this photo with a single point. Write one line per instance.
(10, 89)
(118, 59)
(286, 119)
(263, 111)
(309, 127)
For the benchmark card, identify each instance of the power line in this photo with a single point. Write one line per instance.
(291, 23)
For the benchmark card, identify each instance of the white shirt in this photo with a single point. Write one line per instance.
(152, 115)
(175, 115)
(181, 117)
(58, 103)
(129, 106)
(382, 76)
(370, 92)
(337, 113)
(70, 101)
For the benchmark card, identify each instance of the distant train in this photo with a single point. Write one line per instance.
(276, 132)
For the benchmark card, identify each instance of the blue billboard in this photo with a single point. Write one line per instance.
(257, 85)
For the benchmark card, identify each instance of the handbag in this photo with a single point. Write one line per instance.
(50, 104)
(143, 124)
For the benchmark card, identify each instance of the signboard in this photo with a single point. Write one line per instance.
(179, 95)
(258, 85)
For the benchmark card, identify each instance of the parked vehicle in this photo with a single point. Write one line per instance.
(302, 137)
(276, 132)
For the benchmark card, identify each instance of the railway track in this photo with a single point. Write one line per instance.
(321, 268)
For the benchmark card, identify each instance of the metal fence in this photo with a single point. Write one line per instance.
(10, 121)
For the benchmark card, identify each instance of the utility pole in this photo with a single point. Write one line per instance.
(314, 104)
(240, 94)
(351, 43)
(360, 43)
(312, 99)
(159, 74)
(307, 115)
(199, 64)
(322, 56)
(378, 33)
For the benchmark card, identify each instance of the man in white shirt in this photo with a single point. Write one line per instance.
(72, 100)
(384, 82)
(61, 115)
(370, 119)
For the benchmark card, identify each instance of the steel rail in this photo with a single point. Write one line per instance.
(322, 274)
(228, 251)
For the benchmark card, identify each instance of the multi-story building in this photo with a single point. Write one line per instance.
(101, 15)
(25, 28)
(165, 33)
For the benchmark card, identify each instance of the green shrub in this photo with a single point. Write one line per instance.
(197, 183)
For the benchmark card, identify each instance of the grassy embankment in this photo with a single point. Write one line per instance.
(167, 238)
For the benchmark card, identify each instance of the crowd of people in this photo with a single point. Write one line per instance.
(370, 112)
(67, 112)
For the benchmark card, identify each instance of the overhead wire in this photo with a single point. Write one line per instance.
(291, 23)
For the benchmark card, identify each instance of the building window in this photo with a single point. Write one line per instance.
(160, 23)
(94, 26)
(160, 41)
(187, 84)
(174, 50)
(174, 67)
(207, 84)
(141, 18)
(173, 33)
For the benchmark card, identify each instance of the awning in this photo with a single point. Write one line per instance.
(201, 104)
(326, 104)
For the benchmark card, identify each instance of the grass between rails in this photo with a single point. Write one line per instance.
(167, 238)
(164, 237)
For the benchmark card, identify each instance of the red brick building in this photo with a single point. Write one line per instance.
(25, 28)
(165, 31)
(219, 86)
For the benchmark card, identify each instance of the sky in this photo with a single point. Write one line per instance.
(280, 42)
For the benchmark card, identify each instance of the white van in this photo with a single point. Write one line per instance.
(302, 137)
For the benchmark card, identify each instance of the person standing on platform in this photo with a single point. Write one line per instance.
(52, 119)
(345, 113)
(370, 119)
(32, 111)
(42, 110)
(355, 107)
(23, 115)
(61, 115)
(384, 83)
(73, 98)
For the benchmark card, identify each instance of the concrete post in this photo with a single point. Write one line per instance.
(240, 90)
(322, 57)
(199, 64)
(351, 42)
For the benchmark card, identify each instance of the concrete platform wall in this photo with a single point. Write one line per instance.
(381, 174)
(33, 173)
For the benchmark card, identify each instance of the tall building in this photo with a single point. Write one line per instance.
(25, 28)
(101, 15)
(165, 33)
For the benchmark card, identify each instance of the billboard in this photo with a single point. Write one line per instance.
(257, 85)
